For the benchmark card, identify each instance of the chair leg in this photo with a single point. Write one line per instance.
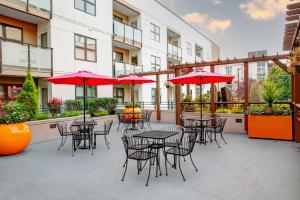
(61, 143)
(73, 146)
(126, 164)
(216, 140)
(106, 142)
(223, 138)
(180, 169)
(95, 141)
(148, 174)
(193, 162)
(166, 158)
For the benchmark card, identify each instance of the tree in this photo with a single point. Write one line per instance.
(30, 94)
(283, 80)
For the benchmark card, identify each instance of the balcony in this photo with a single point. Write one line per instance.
(18, 58)
(174, 52)
(37, 8)
(121, 68)
(128, 36)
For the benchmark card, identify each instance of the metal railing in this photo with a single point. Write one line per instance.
(128, 34)
(152, 105)
(42, 8)
(121, 68)
(174, 52)
(25, 56)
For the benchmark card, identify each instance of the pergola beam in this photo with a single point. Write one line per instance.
(230, 61)
(281, 65)
(293, 6)
(293, 12)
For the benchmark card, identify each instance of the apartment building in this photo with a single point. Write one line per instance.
(110, 37)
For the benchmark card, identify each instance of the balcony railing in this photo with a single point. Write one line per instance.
(127, 34)
(41, 8)
(25, 56)
(174, 52)
(121, 68)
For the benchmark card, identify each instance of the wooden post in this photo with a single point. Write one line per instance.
(178, 98)
(296, 96)
(246, 85)
(212, 94)
(158, 114)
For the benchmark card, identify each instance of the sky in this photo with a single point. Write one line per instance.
(237, 26)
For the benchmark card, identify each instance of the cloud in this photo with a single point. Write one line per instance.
(264, 9)
(216, 2)
(211, 24)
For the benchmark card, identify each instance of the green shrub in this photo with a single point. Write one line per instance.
(119, 112)
(30, 94)
(73, 113)
(92, 105)
(73, 105)
(100, 113)
(40, 116)
(277, 109)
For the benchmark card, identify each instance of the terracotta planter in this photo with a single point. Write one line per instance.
(270, 127)
(130, 116)
(14, 138)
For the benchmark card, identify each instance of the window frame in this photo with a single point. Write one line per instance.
(4, 35)
(85, 48)
(87, 97)
(87, 2)
(153, 32)
(155, 64)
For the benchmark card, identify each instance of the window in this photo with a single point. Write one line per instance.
(44, 40)
(11, 33)
(85, 48)
(189, 48)
(155, 33)
(118, 56)
(228, 70)
(261, 70)
(153, 95)
(155, 63)
(91, 92)
(88, 6)
(117, 18)
(119, 94)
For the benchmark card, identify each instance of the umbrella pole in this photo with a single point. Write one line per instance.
(201, 109)
(84, 101)
(132, 94)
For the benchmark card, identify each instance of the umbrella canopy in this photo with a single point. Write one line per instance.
(134, 79)
(82, 78)
(201, 77)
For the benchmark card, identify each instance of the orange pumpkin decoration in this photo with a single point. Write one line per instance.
(14, 138)
(128, 114)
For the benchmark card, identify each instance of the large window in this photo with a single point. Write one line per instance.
(88, 6)
(119, 94)
(11, 33)
(91, 92)
(228, 70)
(189, 48)
(155, 63)
(155, 32)
(85, 48)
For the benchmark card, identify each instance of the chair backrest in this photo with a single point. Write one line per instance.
(188, 142)
(62, 128)
(107, 126)
(149, 115)
(145, 114)
(129, 132)
(222, 123)
(174, 128)
(130, 144)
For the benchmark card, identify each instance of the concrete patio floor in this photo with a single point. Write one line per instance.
(244, 169)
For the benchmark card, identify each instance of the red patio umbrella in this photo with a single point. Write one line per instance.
(84, 78)
(133, 80)
(200, 77)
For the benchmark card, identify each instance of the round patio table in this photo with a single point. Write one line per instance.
(84, 129)
(202, 139)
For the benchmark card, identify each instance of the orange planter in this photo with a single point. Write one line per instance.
(270, 127)
(14, 138)
(127, 114)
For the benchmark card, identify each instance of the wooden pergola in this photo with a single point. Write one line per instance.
(181, 69)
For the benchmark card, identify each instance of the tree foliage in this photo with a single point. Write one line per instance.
(283, 80)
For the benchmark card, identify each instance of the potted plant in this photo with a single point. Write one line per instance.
(15, 134)
(268, 120)
(130, 108)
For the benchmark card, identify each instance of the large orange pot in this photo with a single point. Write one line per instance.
(128, 114)
(270, 127)
(14, 138)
